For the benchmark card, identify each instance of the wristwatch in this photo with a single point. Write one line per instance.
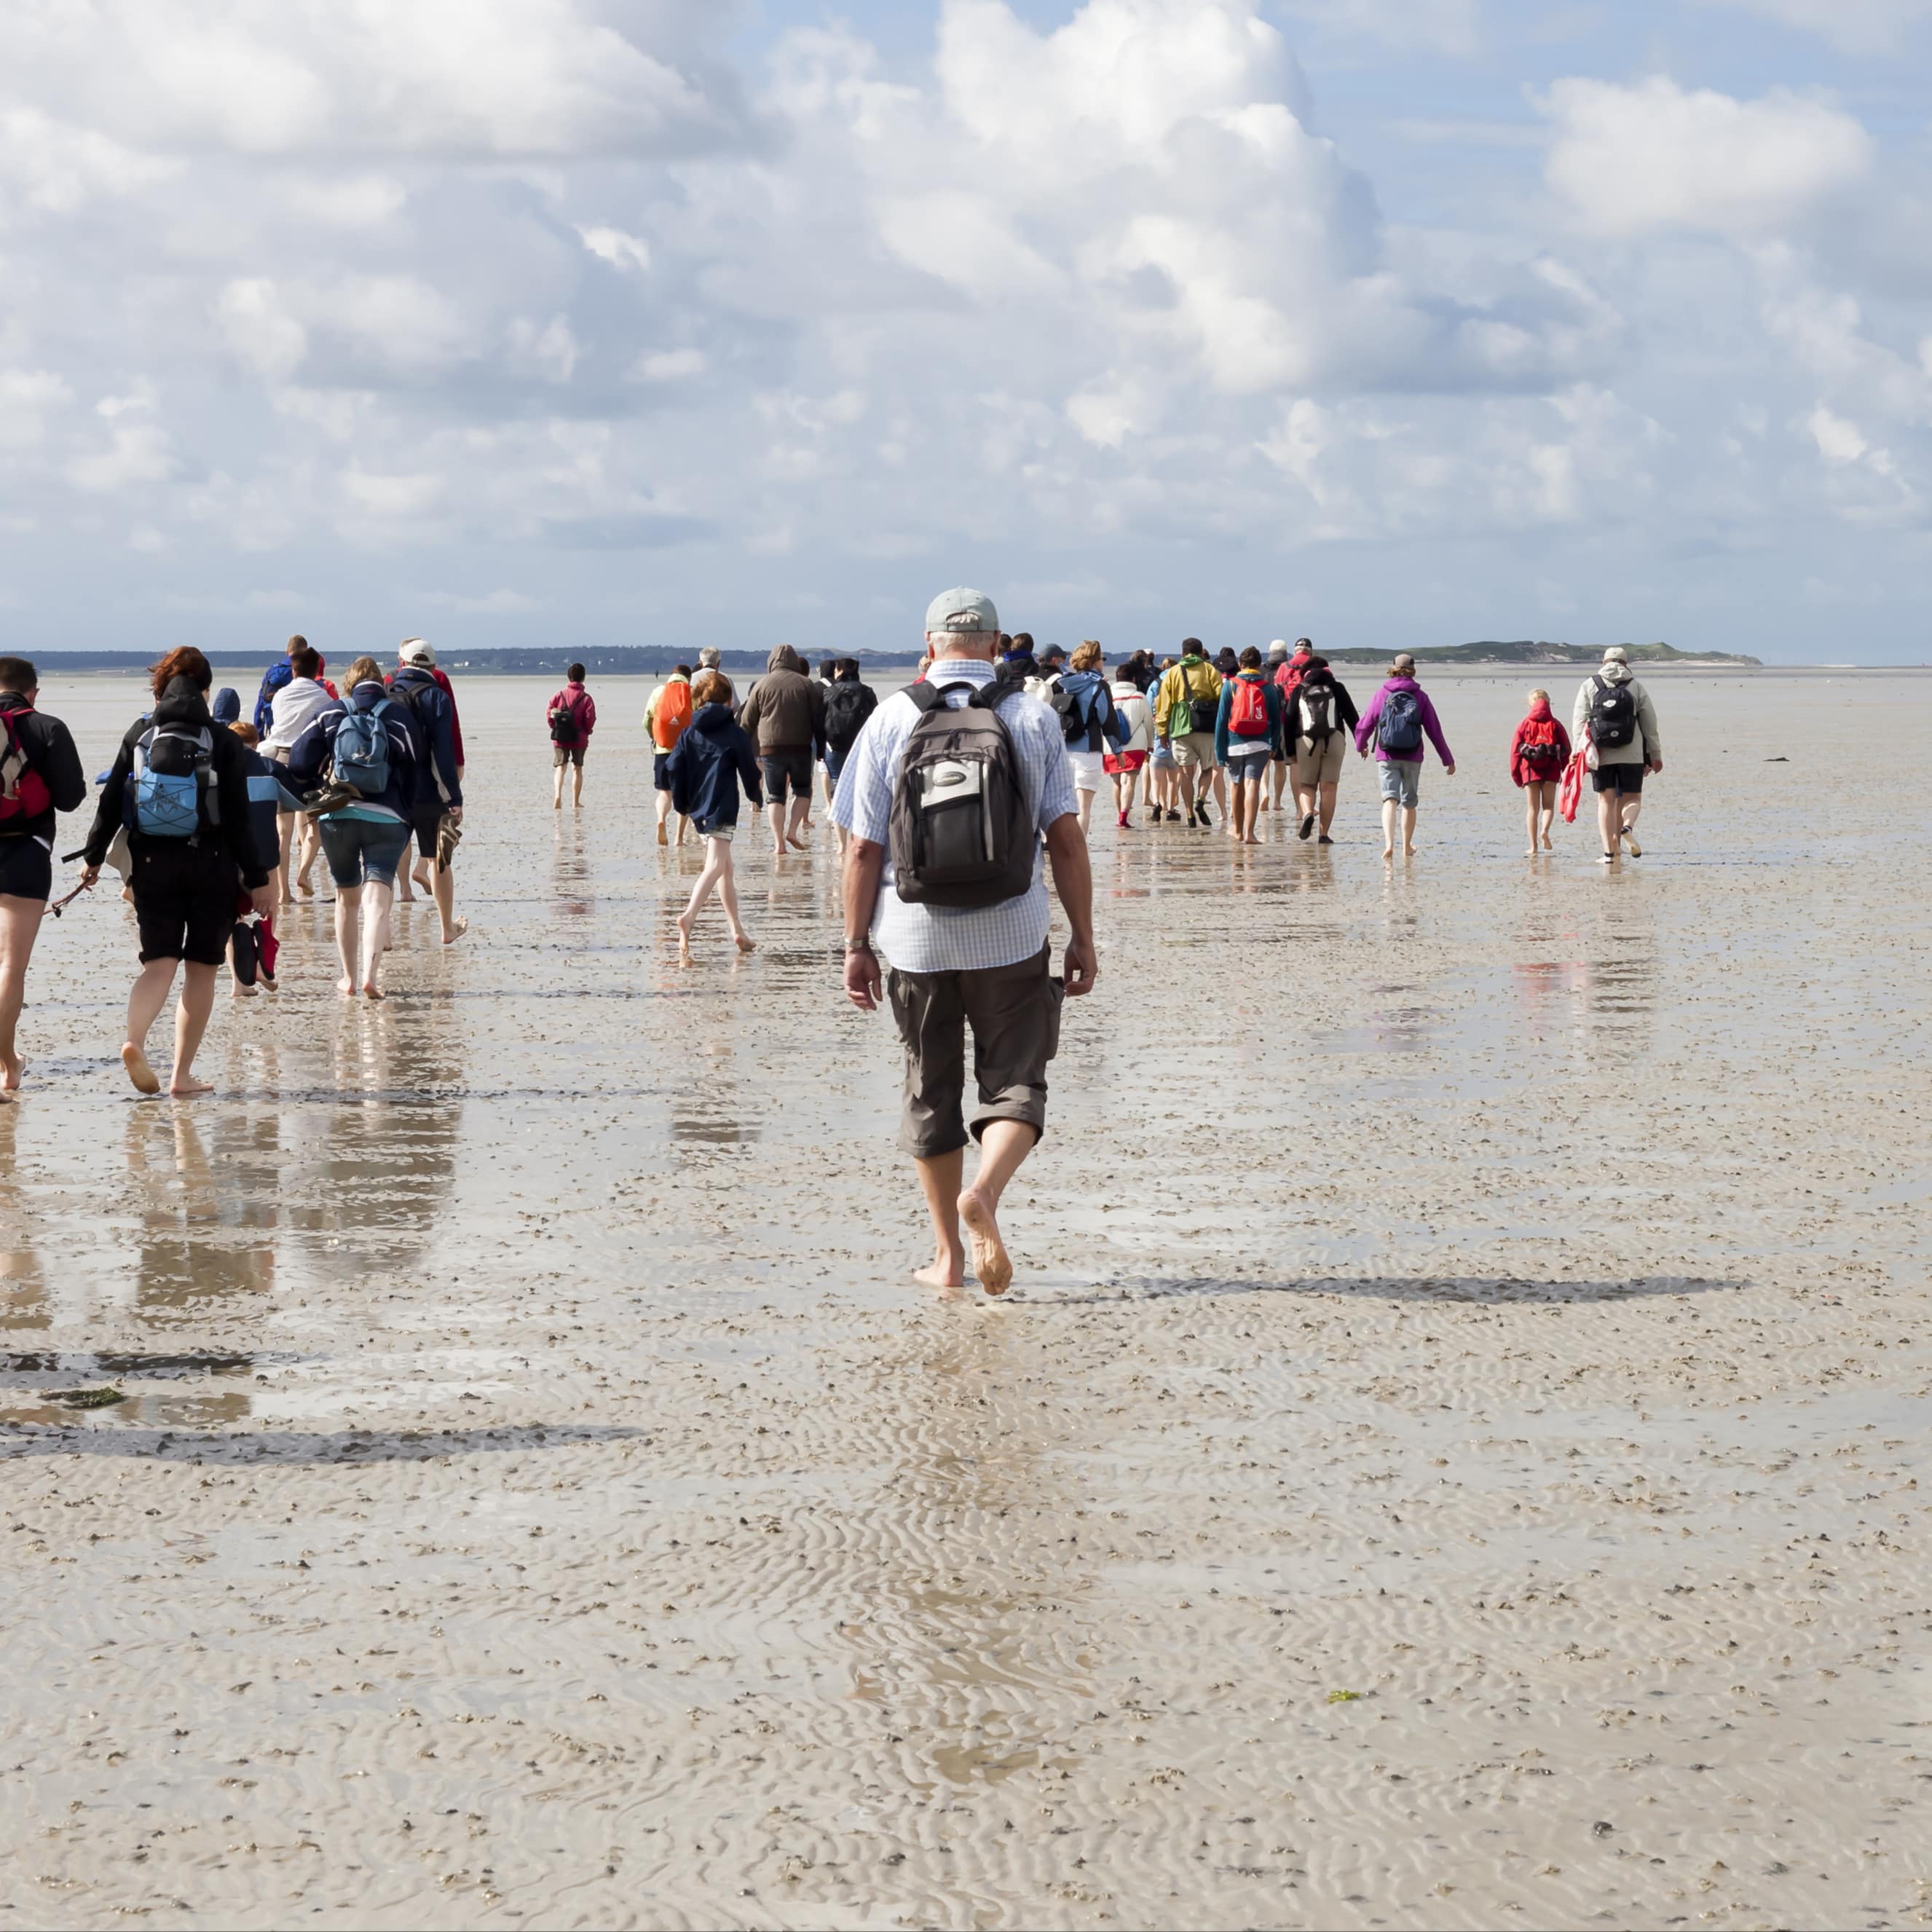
(852, 946)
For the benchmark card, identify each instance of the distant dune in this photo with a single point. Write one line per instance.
(1525, 651)
(653, 660)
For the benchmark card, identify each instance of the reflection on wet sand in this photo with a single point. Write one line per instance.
(572, 894)
(705, 1109)
(23, 1284)
(197, 1241)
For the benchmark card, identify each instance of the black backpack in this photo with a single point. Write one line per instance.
(1612, 714)
(1317, 713)
(848, 704)
(563, 726)
(962, 831)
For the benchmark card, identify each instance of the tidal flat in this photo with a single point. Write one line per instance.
(1457, 1453)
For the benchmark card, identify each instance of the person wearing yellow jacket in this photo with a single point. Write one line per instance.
(1185, 711)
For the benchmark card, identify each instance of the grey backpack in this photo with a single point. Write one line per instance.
(962, 833)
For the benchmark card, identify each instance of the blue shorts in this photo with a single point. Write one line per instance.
(1401, 781)
(834, 763)
(661, 771)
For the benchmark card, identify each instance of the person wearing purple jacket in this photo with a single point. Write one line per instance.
(1398, 719)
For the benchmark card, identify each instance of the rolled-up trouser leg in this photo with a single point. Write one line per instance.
(1014, 1011)
(932, 1027)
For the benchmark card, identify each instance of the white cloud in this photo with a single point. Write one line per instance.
(392, 496)
(1105, 313)
(1633, 161)
(614, 246)
(490, 603)
(136, 453)
(1839, 442)
(670, 365)
(1859, 26)
(497, 77)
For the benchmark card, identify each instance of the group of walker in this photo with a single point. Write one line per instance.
(200, 815)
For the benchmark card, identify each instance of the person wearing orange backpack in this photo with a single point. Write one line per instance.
(1538, 754)
(1246, 732)
(40, 774)
(667, 718)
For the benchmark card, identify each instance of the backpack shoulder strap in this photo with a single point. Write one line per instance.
(929, 697)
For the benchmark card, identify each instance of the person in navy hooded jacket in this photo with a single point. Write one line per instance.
(706, 768)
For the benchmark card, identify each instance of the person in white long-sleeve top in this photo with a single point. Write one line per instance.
(289, 710)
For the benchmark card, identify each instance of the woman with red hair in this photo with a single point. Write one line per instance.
(179, 788)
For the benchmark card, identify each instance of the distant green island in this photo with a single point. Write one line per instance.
(654, 660)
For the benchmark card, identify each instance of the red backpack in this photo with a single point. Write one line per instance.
(23, 792)
(1248, 716)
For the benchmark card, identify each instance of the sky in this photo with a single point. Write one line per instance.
(545, 322)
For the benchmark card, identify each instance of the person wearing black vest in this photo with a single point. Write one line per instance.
(179, 788)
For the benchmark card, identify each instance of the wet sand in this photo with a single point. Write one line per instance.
(1456, 1456)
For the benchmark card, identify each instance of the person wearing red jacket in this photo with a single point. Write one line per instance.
(1538, 754)
(572, 716)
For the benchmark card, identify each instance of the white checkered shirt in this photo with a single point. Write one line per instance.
(954, 939)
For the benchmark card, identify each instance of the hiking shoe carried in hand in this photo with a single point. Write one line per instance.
(330, 798)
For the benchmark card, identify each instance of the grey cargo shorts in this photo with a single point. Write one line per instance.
(1014, 1013)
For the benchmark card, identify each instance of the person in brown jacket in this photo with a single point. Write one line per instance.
(784, 717)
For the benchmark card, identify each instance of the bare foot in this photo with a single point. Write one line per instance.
(1547, 845)
(778, 849)
(238, 991)
(664, 836)
(456, 932)
(139, 1071)
(1388, 854)
(683, 923)
(185, 1086)
(346, 987)
(746, 943)
(797, 843)
(287, 899)
(1251, 840)
(990, 1261)
(940, 1274)
(303, 886)
(371, 992)
(11, 1067)
(1408, 851)
(271, 985)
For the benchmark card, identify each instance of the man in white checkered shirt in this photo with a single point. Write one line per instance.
(948, 968)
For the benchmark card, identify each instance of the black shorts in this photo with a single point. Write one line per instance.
(784, 768)
(425, 819)
(1627, 779)
(26, 869)
(185, 901)
(661, 770)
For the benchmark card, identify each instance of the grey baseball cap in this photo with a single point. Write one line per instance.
(961, 609)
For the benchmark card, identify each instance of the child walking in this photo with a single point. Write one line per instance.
(1538, 754)
(705, 769)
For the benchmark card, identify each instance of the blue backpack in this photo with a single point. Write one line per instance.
(170, 790)
(360, 754)
(1398, 730)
